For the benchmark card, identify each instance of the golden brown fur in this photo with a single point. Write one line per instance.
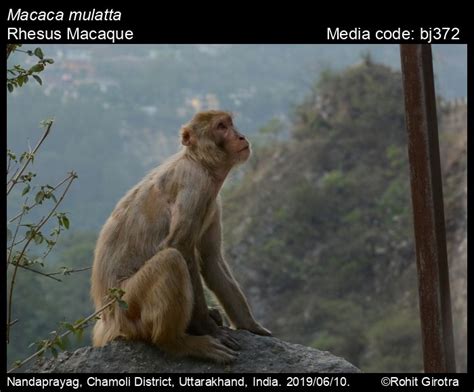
(161, 235)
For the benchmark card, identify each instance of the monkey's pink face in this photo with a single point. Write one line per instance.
(232, 141)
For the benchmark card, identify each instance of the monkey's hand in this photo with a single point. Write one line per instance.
(256, 328)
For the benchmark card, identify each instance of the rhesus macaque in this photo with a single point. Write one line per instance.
(161, 237)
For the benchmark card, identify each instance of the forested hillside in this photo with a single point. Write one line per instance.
(320, 227)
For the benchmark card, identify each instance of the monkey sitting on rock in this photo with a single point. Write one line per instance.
(161, 237)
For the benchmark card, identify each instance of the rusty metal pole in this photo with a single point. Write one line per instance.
(428, 209)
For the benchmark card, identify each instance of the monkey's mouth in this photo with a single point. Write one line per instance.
(245, 148)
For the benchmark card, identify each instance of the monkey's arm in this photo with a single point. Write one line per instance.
(186, 221)
(220, 280)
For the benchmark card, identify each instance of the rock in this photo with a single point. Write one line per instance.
(258, 354)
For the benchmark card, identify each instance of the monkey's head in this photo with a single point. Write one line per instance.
(212, 137)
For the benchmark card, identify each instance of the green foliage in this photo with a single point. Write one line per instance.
(19, 250)
(333, 333)
(117, 294)
(360, 107)
(394, 342)
(19, 75)
(396, 156)
(41, 303)
(333, 179)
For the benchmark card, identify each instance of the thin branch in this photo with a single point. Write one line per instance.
(72, 177)
(51, 274)
(50, 247)
(41, 273)
(35, 204)
(62, 336)
(21, 50)
(13, 322)
(16, 233)
(14, 174)
(14, 180)
(11, 48)
(18, 243)
(8, 164)
(71, 271)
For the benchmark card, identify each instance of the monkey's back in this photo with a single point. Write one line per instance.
(133, 232)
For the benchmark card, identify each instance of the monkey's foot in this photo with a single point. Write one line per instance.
(219, 352)
(224, 336)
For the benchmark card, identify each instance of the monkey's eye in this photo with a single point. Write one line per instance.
(221, 125)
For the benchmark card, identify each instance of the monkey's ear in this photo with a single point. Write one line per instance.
(187, 137)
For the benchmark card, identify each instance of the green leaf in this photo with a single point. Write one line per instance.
(39, 197)
(65, 222)
(46, 123)
(53, 351)
(10, 87)
(60, 343)
(66, 342)
(38, 238)
(122, 304)
(49, 61)
(23, 156)
(38, 79)
(50, 243)
(36, 68)
(39, 261)
(39, 53)
(11, 155)
(41, 344)
(69, 326)
(30, 234)
(26, 189)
